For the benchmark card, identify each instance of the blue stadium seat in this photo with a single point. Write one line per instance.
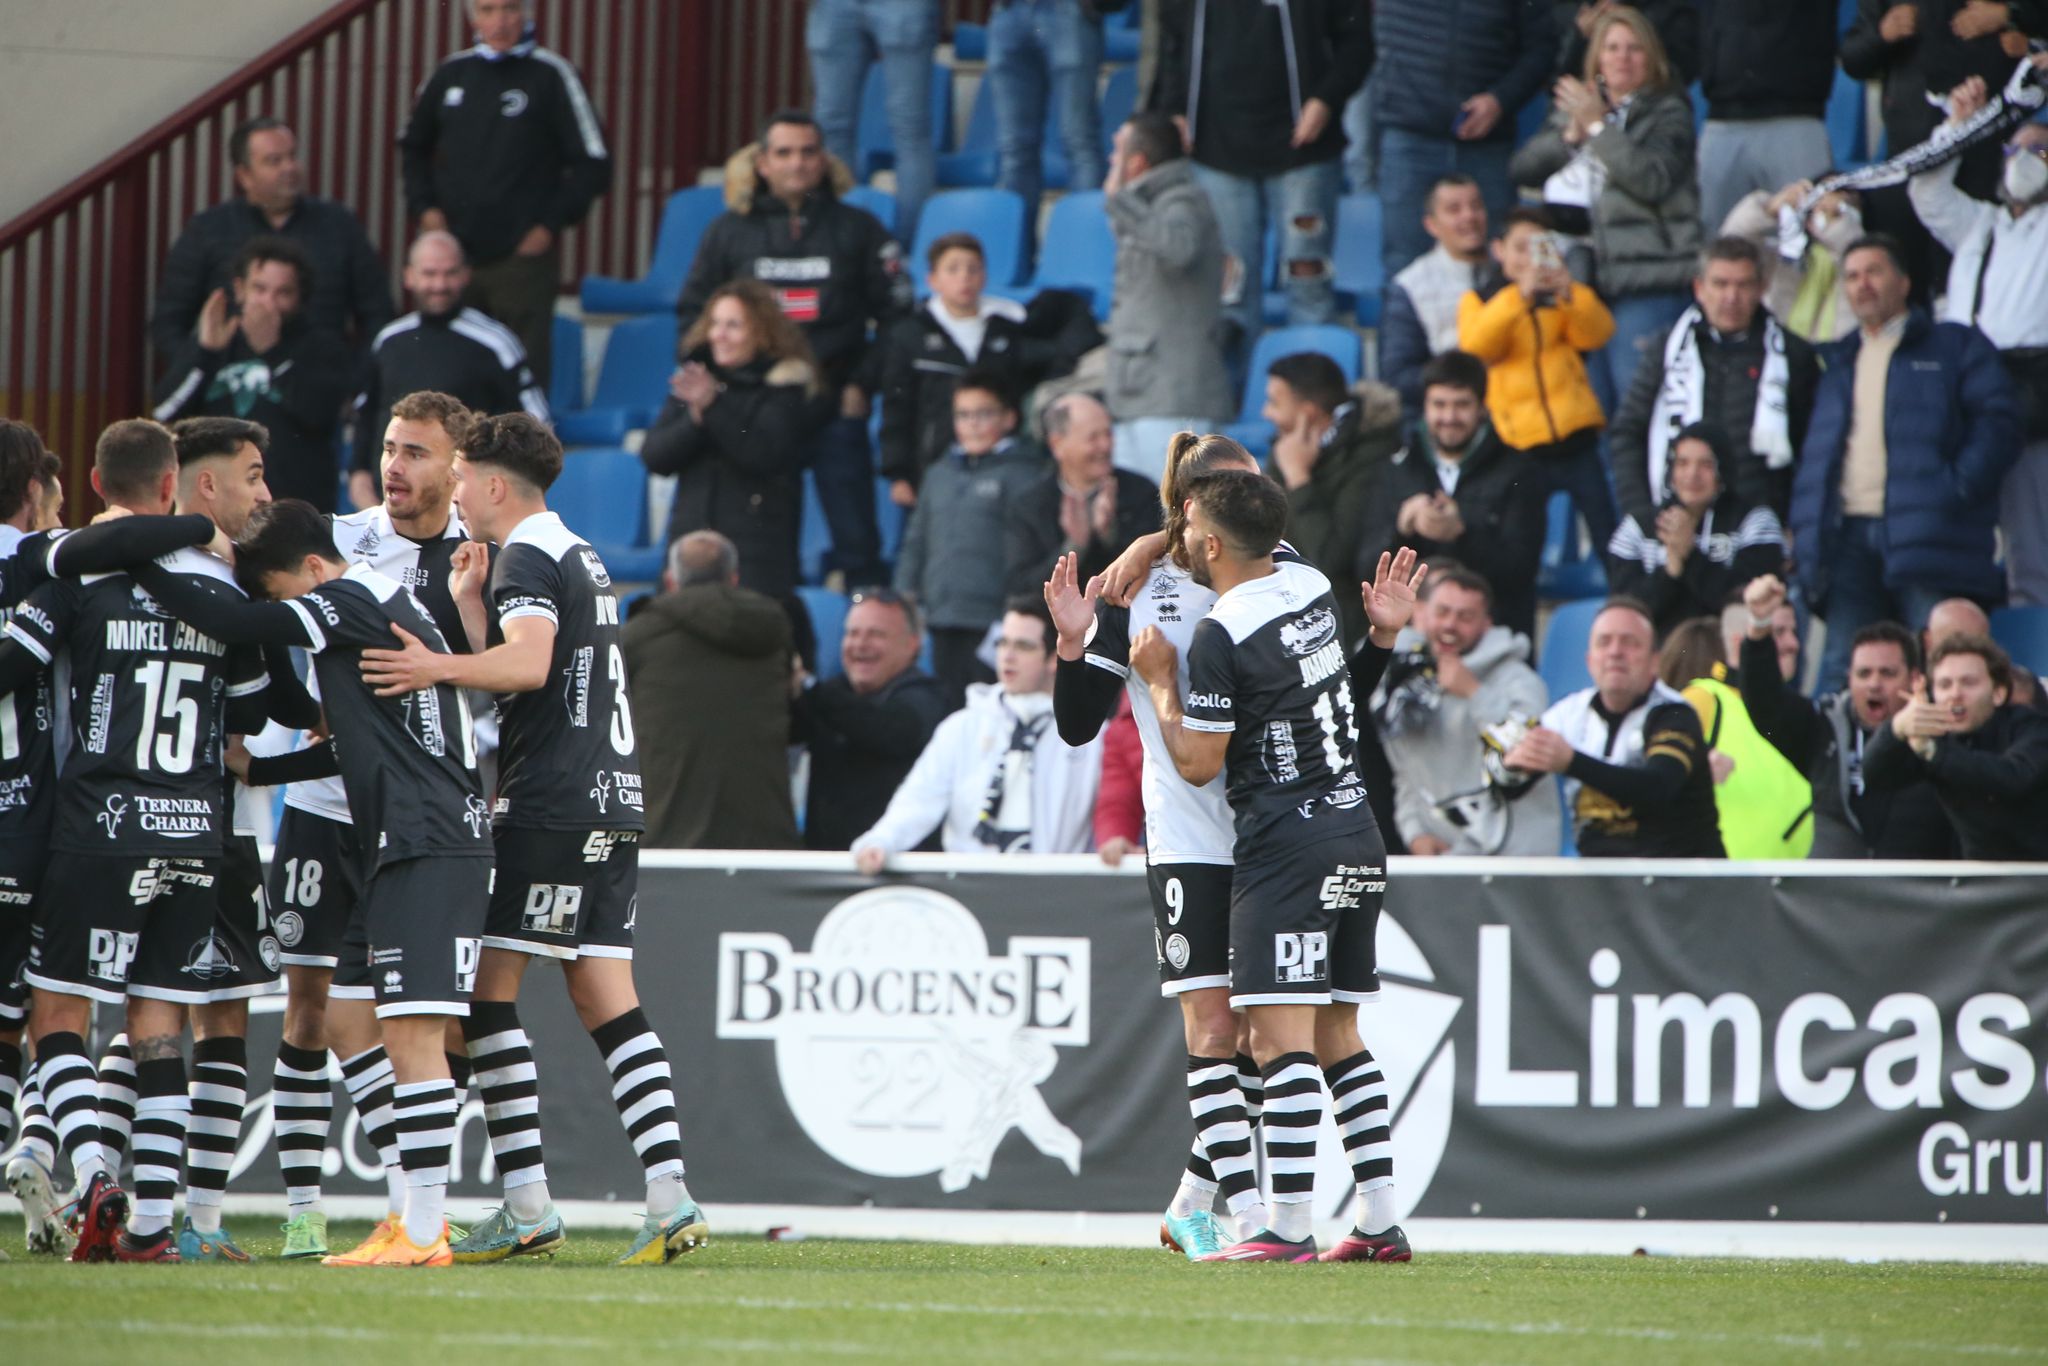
(1569, 569)
(1845, 122)
(828, 611)
(1563, 663)
(1355, 256)
(1120, 42)
(631, 383)
(973, 162)
(1119, 98)
(995, 217)
(2023, 631)
(1079, 250)
(1340, 344)
(602, 497)
(970, 42)
(683, 220)
(873, 148)
(1699, 107)
(880, 203)
(565, 384)
(814, 535)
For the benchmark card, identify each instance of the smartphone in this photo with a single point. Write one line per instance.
(1546, 255)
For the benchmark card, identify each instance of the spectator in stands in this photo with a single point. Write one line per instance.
(1726, 362)
(1082, 504)
(1895, 500)
(1630, 750)
(1615, 162)
(709, 665)
(1120, 802)
(846, 37)
(1456, 678)
(743, 410)
(1783, 634)
(504, 150)
(951, 563)
(996, 777)
(1447, 99)
(1952, 617)
(351, 293)
(46, 494)
(1705, 541)
(1330, 445)
(865, 727)
(834, 270)
(1529, 327)
(1805, 293)
(1166, 371)
(1986, 758)
(1046, 54)
(267, 362)
(1829, 738)
(1763, 802)
(1677, 23)
(924, 354)
(1259, 91)
(1999, 284)
(1456, 492)
(441, 346)
(1419, 311)
(1767, 68)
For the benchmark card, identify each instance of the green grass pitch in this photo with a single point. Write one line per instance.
(745, 1299)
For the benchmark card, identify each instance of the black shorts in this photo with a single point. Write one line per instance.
(316, 879)
(110, 926)
(416, 938)
(245, 959)
(21, 873)
(1302, 925)
(1190, 925)
(566, 893)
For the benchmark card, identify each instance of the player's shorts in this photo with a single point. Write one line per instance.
(1302, 925)
(1190, 925)
(110, 926)
(416, 938)
(316, 879)
(566, 893)
(246, 957)
(21, 873)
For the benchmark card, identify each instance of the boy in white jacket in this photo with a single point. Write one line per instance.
(996, 772)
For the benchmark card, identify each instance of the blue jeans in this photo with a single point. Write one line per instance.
(1303, 202)
(1036, 47)
(1410, 163)
(844, 467)
(1641, 323)
(1857, 596)
(845, 37)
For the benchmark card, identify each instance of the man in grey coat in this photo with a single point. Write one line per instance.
(1166, 371)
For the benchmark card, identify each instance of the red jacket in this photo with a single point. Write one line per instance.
(1120, 801)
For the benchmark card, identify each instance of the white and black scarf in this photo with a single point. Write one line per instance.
(1004, 821)
(1682, 400)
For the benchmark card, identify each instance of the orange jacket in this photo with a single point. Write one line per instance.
(1536, 386)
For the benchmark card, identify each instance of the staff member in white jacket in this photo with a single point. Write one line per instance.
(996, 772)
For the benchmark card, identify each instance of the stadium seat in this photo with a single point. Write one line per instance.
(602, 497)
(973, 161)
(1355, 256)
(1079, 251)
(873, 149)
(1845, 122)
(1120, 42)
(814, 535)
(880, 203)
(1340, 344)
(631, 384)
(565, 383)
(995, 217)
(970, 42)
(828, 610)
(683, 221)
(1563, 664)
(1569, 569)
(2023, 631)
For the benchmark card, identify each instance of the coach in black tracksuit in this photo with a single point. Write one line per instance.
(504, 150)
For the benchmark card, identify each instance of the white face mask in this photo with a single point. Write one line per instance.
(2025, 179)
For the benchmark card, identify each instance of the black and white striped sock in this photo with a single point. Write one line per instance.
(302, 1112)
(71, 1090)
(116, 1100)
(510, 1086)
(1252, 1082)
(1358, 1098)
(220, 1093)
(369, 1080)
(38, 1134)
(461, 1070)
(161, 1110)
(10, 1091)
(423, 1113)
(1294, 1111)
(1217, 1103)
(643, 1089)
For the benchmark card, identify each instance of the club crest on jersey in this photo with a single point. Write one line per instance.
(291, 928)
(209, 960)
(145, 603)
(475, 815)
(1309, 632)
(599, 575)
(366, 544)
(601, 793)
(117, 807)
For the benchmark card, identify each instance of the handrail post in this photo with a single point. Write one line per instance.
(127, 321)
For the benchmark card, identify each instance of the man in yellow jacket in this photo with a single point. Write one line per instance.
(1531, 327)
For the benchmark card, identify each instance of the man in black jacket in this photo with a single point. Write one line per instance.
(1827, 740)
(1767, 68)
(267, 363)
(835, 270)
(350, 289)
(1986, 759)
(1455, 491)
(1083, 504)
(504, 150)
(866, 727)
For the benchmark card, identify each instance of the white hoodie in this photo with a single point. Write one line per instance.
(952, 777)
